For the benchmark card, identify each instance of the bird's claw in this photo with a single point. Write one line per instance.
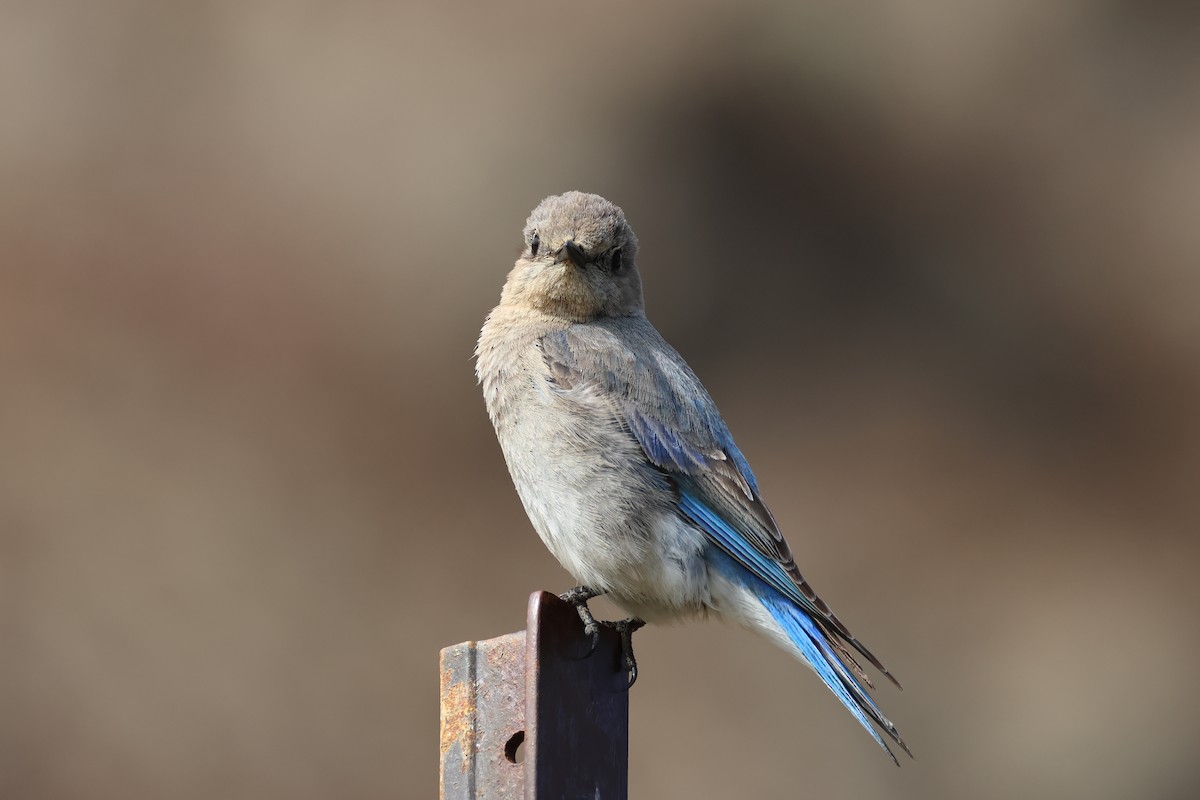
(592, 629)
(579, 597)
(625, 628)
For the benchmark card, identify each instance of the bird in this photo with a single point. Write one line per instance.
(625, 466)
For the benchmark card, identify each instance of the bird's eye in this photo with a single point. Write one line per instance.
(534, 244)
(616, 260)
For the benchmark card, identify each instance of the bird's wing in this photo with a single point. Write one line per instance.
(670, 414)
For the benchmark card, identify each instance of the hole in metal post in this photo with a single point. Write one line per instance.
(514, 750)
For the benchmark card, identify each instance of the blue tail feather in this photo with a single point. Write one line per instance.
(813, 643)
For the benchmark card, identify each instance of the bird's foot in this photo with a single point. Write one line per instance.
(626, 627)
(579, 597)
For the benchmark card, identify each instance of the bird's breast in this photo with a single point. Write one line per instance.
(601, 508)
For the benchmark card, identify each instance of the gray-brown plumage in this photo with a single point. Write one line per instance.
(622, 460)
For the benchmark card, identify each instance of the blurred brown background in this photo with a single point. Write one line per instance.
(939, 263)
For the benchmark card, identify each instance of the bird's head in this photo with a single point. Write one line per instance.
(578, 262)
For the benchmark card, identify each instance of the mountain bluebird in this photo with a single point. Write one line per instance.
(623, 462)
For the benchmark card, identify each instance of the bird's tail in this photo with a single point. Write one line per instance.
(744, 597)
(820, 648)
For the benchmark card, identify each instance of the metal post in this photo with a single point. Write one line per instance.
(531, 715)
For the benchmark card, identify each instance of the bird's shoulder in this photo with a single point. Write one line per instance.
(627, 363)
(626, 355)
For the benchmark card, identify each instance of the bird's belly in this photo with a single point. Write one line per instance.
(606, 514)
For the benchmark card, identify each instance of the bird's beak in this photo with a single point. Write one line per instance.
(570, 252)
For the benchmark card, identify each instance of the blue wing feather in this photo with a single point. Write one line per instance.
(733, 543)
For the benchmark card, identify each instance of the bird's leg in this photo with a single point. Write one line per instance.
(579, 597)
(625, 628)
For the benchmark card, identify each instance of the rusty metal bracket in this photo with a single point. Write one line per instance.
(533, 715)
